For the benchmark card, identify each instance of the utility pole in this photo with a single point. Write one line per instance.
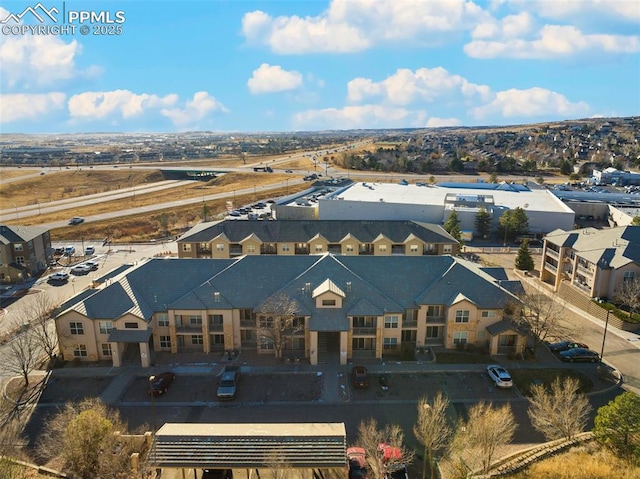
(604, 337)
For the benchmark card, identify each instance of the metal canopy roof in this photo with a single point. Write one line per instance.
(305, 445)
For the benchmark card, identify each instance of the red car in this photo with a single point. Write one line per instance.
(357, 463)
(159, 383)
(360, 377)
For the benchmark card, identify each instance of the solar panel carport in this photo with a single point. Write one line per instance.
(314, 446)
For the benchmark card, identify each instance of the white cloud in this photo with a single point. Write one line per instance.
(36, 60)
(406, 86)
(23, 106)
(362, 116)
(195, 110)
(554, 42)
(435, 122)
(272, 78)
(534, 102)
(355, 25)
(511, 26)
(95, 105)
(626, 10)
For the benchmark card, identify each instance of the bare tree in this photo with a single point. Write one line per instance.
(84, 436)
(486, 430)
(561, 412)
(628, 294)
(11, 441)
(432, 429)
(540, 315)
(21, 353)
(373, 440)
(38, 313)
(278, 320)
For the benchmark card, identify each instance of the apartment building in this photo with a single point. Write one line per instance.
(25, 251)
(345, 307)
(233, 238)
(592, 261)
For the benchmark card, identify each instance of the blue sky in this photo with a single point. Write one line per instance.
(254, 66)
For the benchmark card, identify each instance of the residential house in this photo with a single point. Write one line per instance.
(346, 307)
(25, 251)
(592, 261)
(232, 238)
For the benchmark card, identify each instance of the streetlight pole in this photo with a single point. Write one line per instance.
(604, 337)
(153, 406)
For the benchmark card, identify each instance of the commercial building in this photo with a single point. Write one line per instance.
(434, 204)
(339, 307)
(232, 238)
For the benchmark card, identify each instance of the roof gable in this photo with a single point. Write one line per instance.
(326, 286)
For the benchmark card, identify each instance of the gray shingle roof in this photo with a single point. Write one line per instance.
(20, 234)
(334, 231)
(372, 284)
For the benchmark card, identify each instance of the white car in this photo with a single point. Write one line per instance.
(81, 269)
(89, 250)
(93, 265)
(500, 376)
(59, 277)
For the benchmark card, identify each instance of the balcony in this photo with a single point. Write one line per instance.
(247, 323)
(369, 331)
(203, 250)
(215, 328)
(407, 323)
(552, 254)
(235, 250)
(189, 328)
(301, 251)
(435, 319)
(550, 267)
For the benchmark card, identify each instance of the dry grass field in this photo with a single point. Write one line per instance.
(137, 227)
(6, 174)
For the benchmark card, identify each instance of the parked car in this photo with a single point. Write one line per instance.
(59, 277)
(93, 265)
(360, 377)
(89, 250)
(160, 383)
(500, 376)
(217, 474)
(69, 250)
(228, 385)
(288, 171)
(579, 354)
(80, 269)
(76, 220)
(392, 460)
(565, 345)
(357, 463)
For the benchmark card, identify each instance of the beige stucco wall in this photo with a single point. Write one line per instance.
(328, 296)
(384, 242)
(319, 241)
(451, 326)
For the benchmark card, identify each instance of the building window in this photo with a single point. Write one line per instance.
(130, 325)
(447, 248)
(186, 247)
(433, 332)
(462, 316)
(286, 248)
(246, 315)
(197, 339)
(629, 276)
(105, 327)
(106, 349)
(20, 260)
(366, 344)
(363, 322)
(80, 351)
(163, 320)
(215, 319)
(76, 328)
(18, 247)
(391, 322)
(413, 248)
(460, 337)
(488, 314)
(266, 344)
(390, 343)
(265, 322)
(318, 248)
(248, 336)
(298, 322)
(165, 342)
(328, 302)
(251, 248)
(220, 247)
(382, 248)
(349, 248)
(195, 319)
